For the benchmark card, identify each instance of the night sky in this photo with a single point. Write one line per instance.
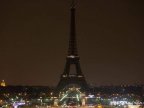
(34, 41)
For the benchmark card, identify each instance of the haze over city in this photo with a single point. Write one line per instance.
(34, 41)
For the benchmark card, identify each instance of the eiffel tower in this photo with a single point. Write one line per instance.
(72, 58)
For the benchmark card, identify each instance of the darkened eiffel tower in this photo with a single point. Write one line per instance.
(72, 58)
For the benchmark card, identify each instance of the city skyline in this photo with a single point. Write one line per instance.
(34, 41)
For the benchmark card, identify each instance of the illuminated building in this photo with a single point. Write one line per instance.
(3, 84)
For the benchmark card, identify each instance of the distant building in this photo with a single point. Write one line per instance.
(3, 84)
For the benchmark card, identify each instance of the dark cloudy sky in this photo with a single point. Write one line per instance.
(34, 40)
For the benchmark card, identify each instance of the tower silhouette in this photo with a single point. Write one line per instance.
(72, 58)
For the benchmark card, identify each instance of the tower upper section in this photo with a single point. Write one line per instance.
(72, 50)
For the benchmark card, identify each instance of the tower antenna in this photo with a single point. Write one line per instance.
(73, 3)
